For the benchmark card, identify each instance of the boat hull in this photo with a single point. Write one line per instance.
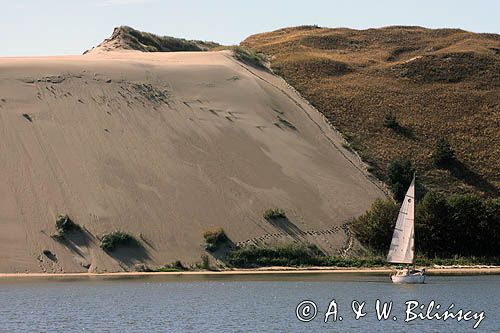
(408, 279)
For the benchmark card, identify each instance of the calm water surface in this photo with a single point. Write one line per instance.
(237, 304)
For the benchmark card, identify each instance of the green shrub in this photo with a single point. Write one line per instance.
(460, 225)
(116, 239)
(205, 262)
(274, 213)
(370, 261)
(215, 238)
(64, 224)
(400, 174)
(457, 260)
(390, 121)
(279, 255)
(375, 227)
(443, 154)
(295, 254)
(431, 224)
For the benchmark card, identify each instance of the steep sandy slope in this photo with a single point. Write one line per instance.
(164, 146)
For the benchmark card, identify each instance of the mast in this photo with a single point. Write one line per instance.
(414, 203)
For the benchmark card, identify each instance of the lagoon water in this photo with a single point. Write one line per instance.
(238, 304)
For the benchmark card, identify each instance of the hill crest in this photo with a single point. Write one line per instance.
(127, 38)
(437, 82)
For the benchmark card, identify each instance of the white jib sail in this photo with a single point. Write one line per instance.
(402, 244)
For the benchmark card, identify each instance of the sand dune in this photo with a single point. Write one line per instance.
(163, 146)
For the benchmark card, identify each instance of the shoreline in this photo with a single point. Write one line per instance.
(450, 271)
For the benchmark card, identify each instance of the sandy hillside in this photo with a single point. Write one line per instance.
(436, 82)
(164, 146)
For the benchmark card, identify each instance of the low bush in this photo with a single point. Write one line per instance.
(294, 255)
(390, 121)
(457, 260)
(205, 262)
(375, 227)
(64, 224)
(116, 239)
(279, 255)
(274, 213)
(215, 238)
(250, 57)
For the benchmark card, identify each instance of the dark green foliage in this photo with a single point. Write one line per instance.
(474, 225)
(443, 156)
(280, 255)
(116, 239)
(294, 255)
(400, 174)
(375, 227)
(274, 213)
(460, 225)
(249, 57)
(431, 229)
(390, 121)
(214, 239)
(64, 225)
(457, 260)
(205, 262)
(375, 261)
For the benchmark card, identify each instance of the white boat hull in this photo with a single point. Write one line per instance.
(416, 278)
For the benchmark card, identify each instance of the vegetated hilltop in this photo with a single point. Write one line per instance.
(435, 82)
(117, 159)
(127, 38)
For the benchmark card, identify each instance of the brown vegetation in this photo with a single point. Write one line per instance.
(437, 82)
(127, 38)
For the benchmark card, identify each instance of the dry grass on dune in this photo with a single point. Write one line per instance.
(438, 83)
(127, 38)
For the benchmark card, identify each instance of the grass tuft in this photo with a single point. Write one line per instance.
(274, 213)
(214, 239)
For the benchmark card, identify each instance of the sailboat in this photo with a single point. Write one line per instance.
(403, 239)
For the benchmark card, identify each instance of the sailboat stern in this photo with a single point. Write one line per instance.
(409, 276)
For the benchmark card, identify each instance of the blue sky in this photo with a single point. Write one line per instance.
(50, 27)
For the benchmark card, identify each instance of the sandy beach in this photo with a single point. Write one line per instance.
(271, 271)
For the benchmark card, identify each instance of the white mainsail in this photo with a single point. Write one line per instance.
(402, 244)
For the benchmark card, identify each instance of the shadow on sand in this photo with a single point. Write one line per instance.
(129, 256)
(75, 240)
(285, 225)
